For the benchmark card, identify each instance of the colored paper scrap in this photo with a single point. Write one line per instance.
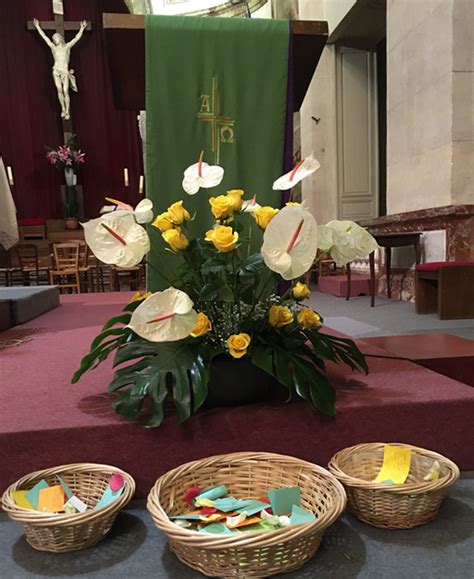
(275, 520)
(396, 464)
(283, 499)
(20, 499)
(108, 497)
(236, 520)
(261, 527)
(434, 472)
(299, 516)
(191, 494)
(253, 507)
(203, 502)
(248, 521)
(213, 493)
(76, 504)
(32, 496)
(216, 529)
(51, 499)
(66, 488)
(229, 504)
(185, 517)
(116, 482)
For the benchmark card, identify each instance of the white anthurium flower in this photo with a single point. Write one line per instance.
(143, 212)
(202, 175)
(303, 169)
(165, 316)
(116, 239)
(345, 241)
(290, 242)
(250, 205)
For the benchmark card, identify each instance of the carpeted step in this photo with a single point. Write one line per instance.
(336, 285)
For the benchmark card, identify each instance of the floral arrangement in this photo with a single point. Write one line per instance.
(66, 156)
(224, 300)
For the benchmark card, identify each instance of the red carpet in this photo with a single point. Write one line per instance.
(45, 421)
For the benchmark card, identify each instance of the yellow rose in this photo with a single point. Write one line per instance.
(223, 238)
(138, 296)
(263, 215)
(163, 221)
(178, 214)
(222, 207)
(202, 327)
(309, 319)
(175, 239)
(238, 345)
(280, 316)
(300, 291)
(236, 196)
(292, 203)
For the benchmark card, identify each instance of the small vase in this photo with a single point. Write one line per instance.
(236, 382)
(69, 176)
(71, 223)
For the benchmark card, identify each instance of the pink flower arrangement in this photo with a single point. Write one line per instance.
(65, 156)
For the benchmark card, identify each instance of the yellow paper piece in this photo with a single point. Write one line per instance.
(396, 465)
(21, 500)
(51, 500)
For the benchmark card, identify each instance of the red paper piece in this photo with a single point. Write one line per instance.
(191, 494)
(208, 511)
(116, 482)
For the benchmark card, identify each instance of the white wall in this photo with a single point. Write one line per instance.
(335, 10)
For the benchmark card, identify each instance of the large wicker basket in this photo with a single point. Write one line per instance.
(247, 475)
(399, 506)
(60, 533)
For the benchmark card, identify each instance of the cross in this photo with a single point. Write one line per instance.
(60, 26)
(222, 127)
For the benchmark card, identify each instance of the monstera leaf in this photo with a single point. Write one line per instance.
(159, 368)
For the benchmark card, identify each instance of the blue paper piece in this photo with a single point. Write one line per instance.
(216, 529)
(213, 493)
(229, 504)
(66, 488)
(185, 517)
(253, 508)
(108, 497)
(299, 516)
(283, 499)
(33, 495)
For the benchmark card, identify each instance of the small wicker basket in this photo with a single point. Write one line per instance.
(59, 533)
(399, 506)
(247, 475)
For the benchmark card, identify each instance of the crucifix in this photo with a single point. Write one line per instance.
(63, 76)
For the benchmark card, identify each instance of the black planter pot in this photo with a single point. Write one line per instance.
(236, 382)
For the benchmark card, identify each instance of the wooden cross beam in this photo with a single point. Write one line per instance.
(60, 26)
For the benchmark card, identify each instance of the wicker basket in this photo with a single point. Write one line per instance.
(401, 506)
(247, 475)
(60, 533)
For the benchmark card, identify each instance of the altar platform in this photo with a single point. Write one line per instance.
(46, 421)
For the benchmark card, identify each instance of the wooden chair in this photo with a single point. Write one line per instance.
(132, 276)
(7, 271)
(85, 268)
(446, 288)
(66, 266)
(31, 270)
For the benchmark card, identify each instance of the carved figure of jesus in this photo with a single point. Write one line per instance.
(63, 76)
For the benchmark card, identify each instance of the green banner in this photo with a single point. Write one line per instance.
(217, 85)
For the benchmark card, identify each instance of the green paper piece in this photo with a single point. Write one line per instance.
(108, 497)
(283, 499)
(213, 493)
(185, 517)
(253, 508)
(262, 527)
(229, 504)
(299, 516)
(32, 496)
(65, 486)
(216, 529)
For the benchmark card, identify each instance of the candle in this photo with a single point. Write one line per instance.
(140, 186)
(125, 176)
(10, 175)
